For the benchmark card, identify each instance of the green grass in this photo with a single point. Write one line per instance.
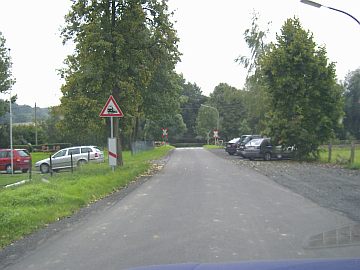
(28, 207)
(341, 155)
(6, 179)
(211, 146)
(36, 156)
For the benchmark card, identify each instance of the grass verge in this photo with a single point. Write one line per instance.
(6, 179)
(27, 208)
(341, 156)
(211, 146)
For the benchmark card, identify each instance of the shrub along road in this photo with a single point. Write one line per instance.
(199, 208)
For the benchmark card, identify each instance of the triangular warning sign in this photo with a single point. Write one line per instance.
(111, 109)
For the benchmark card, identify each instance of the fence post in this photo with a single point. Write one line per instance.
(51, 170)
(30, 169)
(72, 164)
(352, 155)
(329, 148)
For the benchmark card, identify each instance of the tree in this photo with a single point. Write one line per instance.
(191, 100)
(352, 103)
(255, 39)
(174, 123)
(229, 101)
(256, 98)
(305, 100)
(119, 47)
(206, 122)
(6, 78)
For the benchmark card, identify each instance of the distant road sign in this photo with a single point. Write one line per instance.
(164, 132)
(111, 109)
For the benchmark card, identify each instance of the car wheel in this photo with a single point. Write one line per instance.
(81, 162)
(8, 168)
(267, 156)
(44, 168)
(24, 170)
(230, 153)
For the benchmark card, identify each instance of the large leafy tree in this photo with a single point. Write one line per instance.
(352, 103)
(305, 100)
(229, 102)
(256, 98)
(206, 122)
(119, 47)
(191, 100)
(6, 78)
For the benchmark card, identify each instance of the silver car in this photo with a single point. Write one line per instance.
(62, 159)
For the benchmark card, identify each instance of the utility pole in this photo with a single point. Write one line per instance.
(11, 139)
(36, 137)
(11, 136)
(115, 90)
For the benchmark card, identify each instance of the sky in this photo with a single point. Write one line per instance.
(210, 32)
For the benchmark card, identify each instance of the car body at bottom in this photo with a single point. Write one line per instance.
(244, 139)
(21, 160)
(262, 148)
(62, 158)
(231, 146)
(234, 146)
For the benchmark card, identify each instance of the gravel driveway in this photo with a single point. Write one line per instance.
(329, 186)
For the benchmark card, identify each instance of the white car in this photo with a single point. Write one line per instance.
(62, 158)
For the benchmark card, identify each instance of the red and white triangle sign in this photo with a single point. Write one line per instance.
(111, 109)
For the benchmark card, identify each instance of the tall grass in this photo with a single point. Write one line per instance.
(6, 179)
(341, 155)
(211, 146)
(26, 208)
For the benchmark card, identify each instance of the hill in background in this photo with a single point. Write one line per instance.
(25, 114)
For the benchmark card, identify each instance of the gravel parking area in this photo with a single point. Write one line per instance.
(329, 186)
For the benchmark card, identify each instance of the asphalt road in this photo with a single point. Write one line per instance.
(199, 208)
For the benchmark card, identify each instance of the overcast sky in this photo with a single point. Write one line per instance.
(210, 32)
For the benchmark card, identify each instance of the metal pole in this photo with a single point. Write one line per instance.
(72, 163)
(112, 136)
(51, 170)
(112, 127)
(11, 140)
(317, 5)
(36, 135)
(30, 168)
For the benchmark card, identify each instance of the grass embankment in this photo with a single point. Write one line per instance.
(341, 155)
(211, 146)
(26, 208)
(6, 179)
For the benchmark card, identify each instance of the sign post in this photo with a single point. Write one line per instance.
(164, 133)
(112, 109)
(216, 136)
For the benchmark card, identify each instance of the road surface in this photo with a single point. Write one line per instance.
(199, 208)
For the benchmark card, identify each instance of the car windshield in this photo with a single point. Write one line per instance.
(235, 140)
(255, 142)
(23, 153)
(61, 153)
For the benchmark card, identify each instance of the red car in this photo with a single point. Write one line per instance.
(21, 160)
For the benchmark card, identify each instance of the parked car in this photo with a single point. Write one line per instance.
(231, 146)
(21, 160)
(244, 139)
(263, 148)
(62, 158)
